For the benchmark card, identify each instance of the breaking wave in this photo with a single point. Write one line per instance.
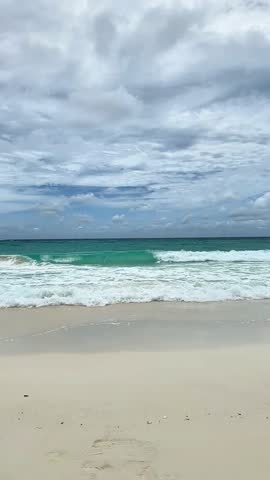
(102, 278)
(139, 258)
(213, 256)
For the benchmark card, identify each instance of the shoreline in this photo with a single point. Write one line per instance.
(134, 304)
(165, 326)
(181, 304)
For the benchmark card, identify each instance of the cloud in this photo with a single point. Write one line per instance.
(263, 201)
(86, 198)
(154, 107)
(118, 218)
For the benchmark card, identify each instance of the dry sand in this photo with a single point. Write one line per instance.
(191, 410)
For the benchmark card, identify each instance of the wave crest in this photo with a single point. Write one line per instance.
(8, 260)
(185, 256)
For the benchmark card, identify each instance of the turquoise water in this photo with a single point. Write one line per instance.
(121, 252)
(99, 272)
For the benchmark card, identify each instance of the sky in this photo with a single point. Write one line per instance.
(134, 119)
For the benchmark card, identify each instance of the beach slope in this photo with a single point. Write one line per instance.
(183, 410)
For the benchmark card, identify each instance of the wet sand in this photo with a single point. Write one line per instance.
(155, 391)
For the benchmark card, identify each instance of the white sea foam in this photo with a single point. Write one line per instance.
(213, 256)
(60, 259)
(37, 284)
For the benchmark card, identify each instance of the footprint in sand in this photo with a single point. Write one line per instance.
(93, 471)
(120, 459)
(56, 455)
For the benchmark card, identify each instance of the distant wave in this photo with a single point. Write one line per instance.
(103, 258)
(138, 257)
(184, 256)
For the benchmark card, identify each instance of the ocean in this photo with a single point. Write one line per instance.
(102, 272)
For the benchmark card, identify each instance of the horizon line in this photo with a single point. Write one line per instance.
(135, 238)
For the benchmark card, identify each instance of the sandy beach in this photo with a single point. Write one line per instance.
(152, 391)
